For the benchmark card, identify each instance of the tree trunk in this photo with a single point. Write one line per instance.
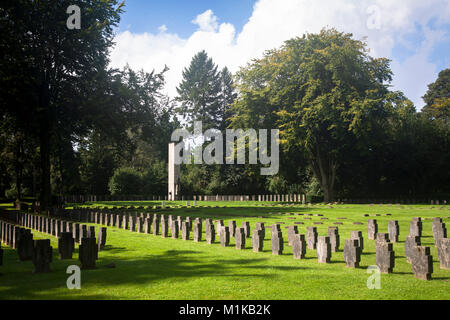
(325, 171)
(45, 196)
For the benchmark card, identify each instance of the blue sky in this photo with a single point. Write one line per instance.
(146, 16)
(414, 34)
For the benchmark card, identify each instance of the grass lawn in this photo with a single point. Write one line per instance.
(151, 267)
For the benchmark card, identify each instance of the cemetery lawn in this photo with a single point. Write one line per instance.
(151, 267)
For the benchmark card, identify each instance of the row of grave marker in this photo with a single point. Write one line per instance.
(40, 251)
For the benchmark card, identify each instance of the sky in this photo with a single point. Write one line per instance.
(414, 34)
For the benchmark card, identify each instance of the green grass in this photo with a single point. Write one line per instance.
(150, 267)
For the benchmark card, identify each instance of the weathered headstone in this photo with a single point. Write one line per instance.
(385, 256)
(147, 225)
(372, 229)
(125, 221)
(311, 237)
(139, 225)
(101, 238)
(292, 231)
(66, 245)
(258, 240)
(439, 230)
(118, 221)
(260, 226)
(210, 232)
(25, 245)
(352, 253)
(422, 263)
(324, 249)
(164, 226)
(232, 227)
(224, 235)
(88, 253)
(276, 240)
(357, 235)
(76, 232)
(299, 246)
(175, 229)
(393, 230)
(91, 232)
(185, 230)
(220, 225)
(443, 248)
(155, 225)
(42, 256)
(410, 243)
(333, 233)
(240, 238)
(415, 227)
(197, 230)
(246, 227)
(132, 223)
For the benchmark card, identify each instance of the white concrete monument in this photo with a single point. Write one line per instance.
(174, 174)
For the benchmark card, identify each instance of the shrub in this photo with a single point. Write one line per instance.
(125, 181)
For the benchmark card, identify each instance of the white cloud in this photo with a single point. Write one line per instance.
(207, 21)
(273, 21)
(162, 28)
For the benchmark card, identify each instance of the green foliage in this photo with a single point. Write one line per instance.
(154, 179)
(205, 93)
(322, 90)
(125, 181)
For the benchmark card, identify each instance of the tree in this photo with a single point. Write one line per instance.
(437, 98)
(204, 93)
(50, 75)
(322, 90)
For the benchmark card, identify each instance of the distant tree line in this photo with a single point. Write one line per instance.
(72, 125)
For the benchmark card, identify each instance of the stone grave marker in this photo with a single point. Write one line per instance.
(164, 226)
(197, 230)
(276, 240)
(258, 240)
(232, 227)
(443, 248)
(224, 235)
(422, 263)
(299, 246)
(88, 253)
(292, 231)
(410, 243)
(393, 230)
(66, 245)
(174, 230)
(25, 245)
(210, 232)
(155, 225)
(333, 233)
(101, 238)
(185, 230)
(352, 253)
(311, 237)
(240, 238)
(372, 229)
(42, 256)
(246, 227)
(385, 256)
(357, 235)
(415, 227)
(324, 249)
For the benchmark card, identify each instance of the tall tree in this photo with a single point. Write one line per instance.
(322, 90)
(199, 92)
(50, 73)
(437, 98)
